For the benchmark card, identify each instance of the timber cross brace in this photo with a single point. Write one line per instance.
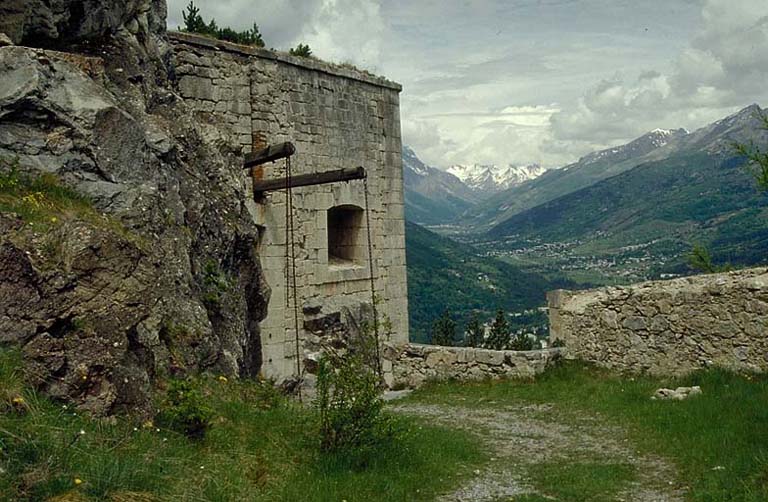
(284, 151)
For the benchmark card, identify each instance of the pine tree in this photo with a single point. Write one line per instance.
(474, 332)
(522, 341)
(444, 330)
(193, 21)
(757, 158)
(499, 337)
(301, 50)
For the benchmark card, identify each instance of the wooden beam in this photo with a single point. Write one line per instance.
(269, 154)
(302, 180)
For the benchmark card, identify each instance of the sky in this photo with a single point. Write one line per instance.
(530, 81)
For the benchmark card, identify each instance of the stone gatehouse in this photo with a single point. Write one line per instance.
(337, 117)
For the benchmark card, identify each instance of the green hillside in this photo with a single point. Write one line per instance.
(444, 274)
(660, 207)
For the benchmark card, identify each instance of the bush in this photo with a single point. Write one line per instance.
(349, 404)
(185, 410)
(194, 23)
(301, 50)
(522, 342)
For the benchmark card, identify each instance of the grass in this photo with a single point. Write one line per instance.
(718, 441)
(581, 482)
(39, 200)
(260, 447)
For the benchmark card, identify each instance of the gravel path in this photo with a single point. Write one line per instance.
(520, 436)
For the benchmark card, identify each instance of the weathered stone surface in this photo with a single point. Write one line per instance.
(162, 276)
(668, 327)
(412, 368)
(5, 40)
(31, 22)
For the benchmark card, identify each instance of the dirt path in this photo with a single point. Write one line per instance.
(519, 437)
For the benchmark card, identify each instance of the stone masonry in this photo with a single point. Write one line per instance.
(668, 327)
(416, 364)
(337, 117)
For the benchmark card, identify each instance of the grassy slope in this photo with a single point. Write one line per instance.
(718, 441)
(258, 449)
(443, 274)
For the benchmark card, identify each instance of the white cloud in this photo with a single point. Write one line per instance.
(724, 67)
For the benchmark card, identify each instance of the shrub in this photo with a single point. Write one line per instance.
(522, 341)
(348, 404)
(301, 50)
(194, 23)
(184, 410)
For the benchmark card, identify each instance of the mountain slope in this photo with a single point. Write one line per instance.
(444, 274)
(587, 171)
(702, 193)
(432, 196)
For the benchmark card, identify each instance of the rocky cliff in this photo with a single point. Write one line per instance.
(127, 253)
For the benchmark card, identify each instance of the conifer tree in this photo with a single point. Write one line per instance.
(499, 336)
(444, 330)
(474, 332)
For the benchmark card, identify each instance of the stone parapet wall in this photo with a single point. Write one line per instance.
(414, 364)
(668, 327)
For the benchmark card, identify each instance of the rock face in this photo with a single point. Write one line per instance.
(57, 22)
(668, 327)
(158, 273)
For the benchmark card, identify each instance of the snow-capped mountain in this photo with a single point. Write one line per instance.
(432, 196)
(492, 178)
(646, 143)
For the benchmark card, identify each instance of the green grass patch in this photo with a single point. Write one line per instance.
(259, 447)
(582, 482)
(39, 199)
(718, 441)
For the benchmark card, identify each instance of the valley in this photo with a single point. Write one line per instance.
(619, 216)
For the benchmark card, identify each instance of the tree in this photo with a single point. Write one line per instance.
(522, 341)
(701, 260)
(499, 337)
(301, 50)
(474, 332)
(758, 158)
(194, 23)
(444, 330)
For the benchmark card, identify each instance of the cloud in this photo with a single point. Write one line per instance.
(725, 66)
(521, 81)
(336, 30)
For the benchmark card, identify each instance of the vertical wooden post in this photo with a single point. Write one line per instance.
(257, 172)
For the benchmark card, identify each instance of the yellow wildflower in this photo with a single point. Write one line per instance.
(78, 481)
(18, 400)
(54, 219)
(223, 379)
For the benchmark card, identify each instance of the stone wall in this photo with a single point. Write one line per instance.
(337, 117)
(415, 364)
(668, 327)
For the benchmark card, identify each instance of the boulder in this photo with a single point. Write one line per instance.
(677, 394)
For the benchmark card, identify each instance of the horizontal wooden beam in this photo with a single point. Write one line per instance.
(303, 180)
(269, 154)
